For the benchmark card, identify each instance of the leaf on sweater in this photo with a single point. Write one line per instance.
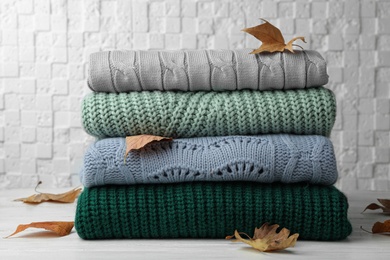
(267, 239)
(138, 141)
(61, 228)
(385, 206)
(271, 38)
(67, 197)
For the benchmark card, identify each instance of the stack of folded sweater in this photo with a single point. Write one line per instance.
(249, 146)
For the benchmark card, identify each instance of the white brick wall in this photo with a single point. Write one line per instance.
(44, 46)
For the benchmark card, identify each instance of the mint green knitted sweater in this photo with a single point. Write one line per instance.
(193, 114)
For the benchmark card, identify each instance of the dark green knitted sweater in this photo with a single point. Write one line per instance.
(210, 210)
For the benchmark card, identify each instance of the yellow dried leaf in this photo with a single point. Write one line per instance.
(67, 197)
(138, 141)
(61, 228)
(271, 38)
(267, 239)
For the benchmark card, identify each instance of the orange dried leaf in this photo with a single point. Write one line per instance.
(61, 228)
(138, 141)
(289, 45)
(380, 227)
(271, 38)
(266, 32)
(67, 197)
(385, 206)
(229, 237)
(267, 239)
(272, 47)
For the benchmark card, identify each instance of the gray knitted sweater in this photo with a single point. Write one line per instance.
(266, 158)
(204, 70)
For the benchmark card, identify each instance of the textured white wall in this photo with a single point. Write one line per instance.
(43, 62)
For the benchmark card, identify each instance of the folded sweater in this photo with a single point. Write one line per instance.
(267, 158)
(205, 70)
(189, 114)
(210, 210)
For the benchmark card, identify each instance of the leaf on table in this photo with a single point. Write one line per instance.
(380, 227)
(67, 197)
(267, 239)
(138, 141)
(271, 38)
(385, 206)
(61, 228)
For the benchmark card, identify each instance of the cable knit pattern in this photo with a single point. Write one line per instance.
(268, 158)
(190, 114)
(210, 210)
(204, 70)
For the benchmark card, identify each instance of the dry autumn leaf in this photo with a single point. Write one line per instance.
(138, 141)
(271, 38)
(67, 197)
(61, 228)
(385, 208)
(267, 239)
(380, 227)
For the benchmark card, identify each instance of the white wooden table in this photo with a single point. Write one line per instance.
(37, 244)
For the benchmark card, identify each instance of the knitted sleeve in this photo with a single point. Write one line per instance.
(266, 158)
(204, 70)
(190, 114)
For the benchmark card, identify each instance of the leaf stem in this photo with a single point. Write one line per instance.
(296, 45)
(35, 189)
(361, 227)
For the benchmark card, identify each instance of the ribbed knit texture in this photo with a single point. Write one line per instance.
(204, 70)
(188, 114)
(210, 210)
(267, 158)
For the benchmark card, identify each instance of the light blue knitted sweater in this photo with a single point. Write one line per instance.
(265, 158)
